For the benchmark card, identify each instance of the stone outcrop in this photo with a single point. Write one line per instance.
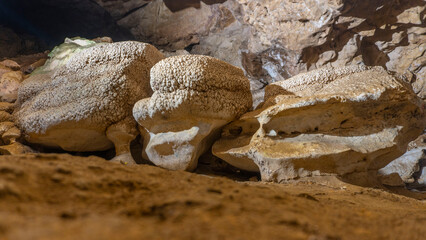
(408, 170)
(9, 85)
(346, 121)
(276, 39)
(271, 40)
(194, 97)
(10, 43)
(82, 99)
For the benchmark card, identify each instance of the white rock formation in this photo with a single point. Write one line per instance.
(402, 170)
(85, 102)
(346, 121)
(194, 97)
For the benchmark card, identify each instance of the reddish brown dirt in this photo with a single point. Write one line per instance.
(64, 197)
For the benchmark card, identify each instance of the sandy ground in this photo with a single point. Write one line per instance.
(48, 196)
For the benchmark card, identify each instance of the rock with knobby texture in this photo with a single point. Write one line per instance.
(170, 30)
(344, 121)
(86, 104)
(194, 97)
(58, 57)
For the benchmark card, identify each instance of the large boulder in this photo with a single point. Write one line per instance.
(194, 97)
(346, 121)
(83, 101)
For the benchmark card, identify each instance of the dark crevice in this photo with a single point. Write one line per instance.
(176, 6)
(189, 47)
(134, 10)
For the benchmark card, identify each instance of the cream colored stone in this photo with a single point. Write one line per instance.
(95, 88)
(409, 167)
(9, 85)
(344, 121)
(158, 24)
(194, 96)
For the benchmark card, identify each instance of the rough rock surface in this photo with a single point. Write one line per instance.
(409, 170)
(9, 133)
(85, 103)
(10, 43)
(48, 196)
(346, 121)
(9, 85)
(194, 96)
(277, 39)
(157, 24)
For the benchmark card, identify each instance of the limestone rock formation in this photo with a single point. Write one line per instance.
(9, 85)
(156, 23)
(9, 133)
(119, 8)
(50, 21)
(83, 101)
(346, 121)
(408, 169)
(274, 40)
(194, 97)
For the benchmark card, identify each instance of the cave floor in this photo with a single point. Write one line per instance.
(59, 196)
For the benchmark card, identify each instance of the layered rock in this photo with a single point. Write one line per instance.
(194, 97)
(83, 101)
(346, 121)
(277, 39)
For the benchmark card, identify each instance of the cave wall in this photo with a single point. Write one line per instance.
(276, 39)
(49, 22)
(271, 40)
